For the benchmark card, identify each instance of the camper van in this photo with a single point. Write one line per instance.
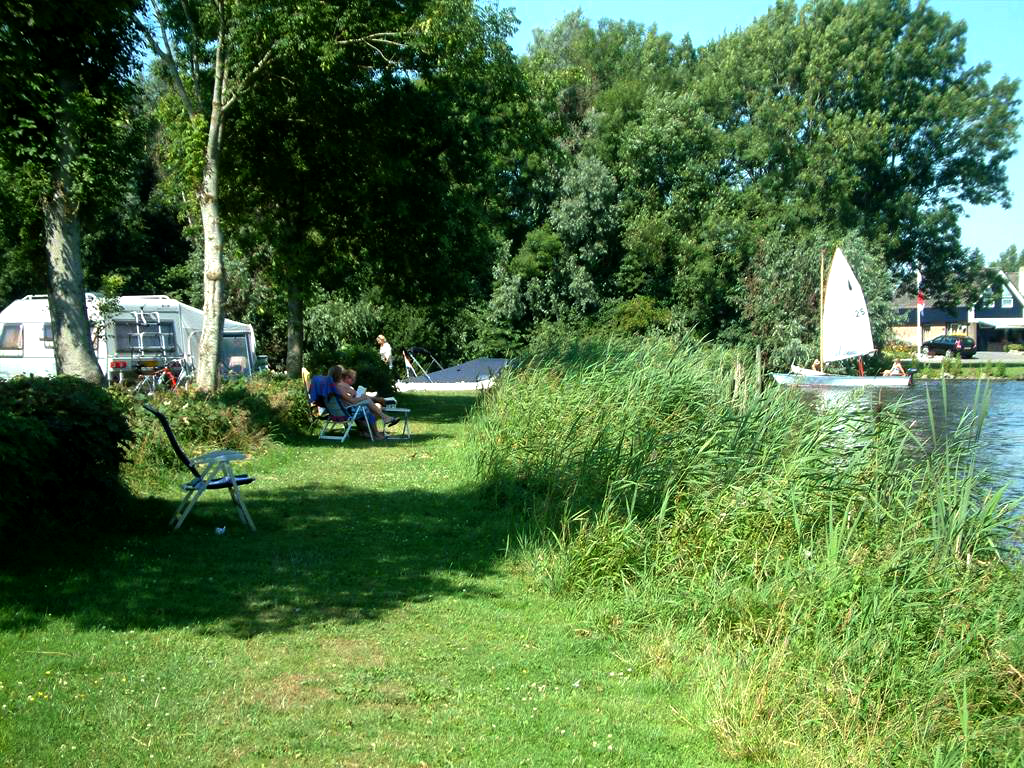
(145, 332)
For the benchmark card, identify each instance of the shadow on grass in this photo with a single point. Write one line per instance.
(319, 554)
(322, 552)
(435, 408)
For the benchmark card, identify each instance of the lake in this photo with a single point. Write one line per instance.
(1001, 443)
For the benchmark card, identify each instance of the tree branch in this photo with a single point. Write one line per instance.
(195, 36)
(376, 39)
(166, 55)
(240, 87)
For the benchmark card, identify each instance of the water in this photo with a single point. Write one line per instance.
(1000, 449)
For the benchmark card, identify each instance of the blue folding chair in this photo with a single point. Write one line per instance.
(338, 417)
(211, 471)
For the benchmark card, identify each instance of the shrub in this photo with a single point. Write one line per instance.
(201, 423)
(372, 372)
(899, 349)
(637, 315)
(62, 441)
(240, 416)
(276, 404)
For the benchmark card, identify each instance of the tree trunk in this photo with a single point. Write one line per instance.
(213, 252)
(213, 287)
(72, 342)
(295, 331)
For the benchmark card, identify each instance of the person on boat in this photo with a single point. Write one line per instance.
(816, 365)
(896, 370)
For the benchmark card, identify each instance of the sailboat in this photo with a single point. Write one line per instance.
(845, 333)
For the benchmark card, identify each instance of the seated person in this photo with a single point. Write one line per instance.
(325, 393)
(344, 381)
(816, 365)
(896, 370)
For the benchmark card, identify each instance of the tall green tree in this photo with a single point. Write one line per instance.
(211, 52)
(64, 73)
(863, 115)
(589, 83)
(1010, 260)
(384, 178)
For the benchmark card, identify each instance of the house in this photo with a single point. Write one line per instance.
(994, 322)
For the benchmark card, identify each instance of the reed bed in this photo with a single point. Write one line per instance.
(840, 590)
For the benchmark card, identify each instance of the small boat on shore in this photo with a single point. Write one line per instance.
(845, 334)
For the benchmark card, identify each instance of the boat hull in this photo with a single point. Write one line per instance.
(848, 382)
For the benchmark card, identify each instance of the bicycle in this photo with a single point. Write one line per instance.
(164, 378)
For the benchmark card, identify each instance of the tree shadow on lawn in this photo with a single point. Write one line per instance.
(320, 553)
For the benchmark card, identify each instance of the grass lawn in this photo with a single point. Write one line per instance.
(379, 616)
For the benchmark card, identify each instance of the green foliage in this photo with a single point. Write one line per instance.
(241, 416)
(781, 297)
(1010, 260)
(775, 132)
(823, 547)
(638, 315)
(62, 442)
(541, 250)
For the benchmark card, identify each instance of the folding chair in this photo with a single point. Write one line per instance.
(338, 418)
(212, 470)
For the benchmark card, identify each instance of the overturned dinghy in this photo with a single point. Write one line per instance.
(470, 375)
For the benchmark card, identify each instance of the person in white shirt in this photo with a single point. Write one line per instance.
(385, 350)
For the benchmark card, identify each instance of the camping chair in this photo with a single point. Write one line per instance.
(338, 418)
(212, 470)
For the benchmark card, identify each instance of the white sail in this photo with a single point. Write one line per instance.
(845, 327)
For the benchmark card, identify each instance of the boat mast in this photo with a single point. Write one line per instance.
(821, 308)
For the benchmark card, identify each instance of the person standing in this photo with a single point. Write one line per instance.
(385, 350)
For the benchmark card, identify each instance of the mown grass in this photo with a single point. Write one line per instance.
(956, 368)
(379, 616)
(848, 593)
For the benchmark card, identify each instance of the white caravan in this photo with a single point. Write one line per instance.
(147, 331)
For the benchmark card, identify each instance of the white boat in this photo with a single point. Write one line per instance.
(845, 333)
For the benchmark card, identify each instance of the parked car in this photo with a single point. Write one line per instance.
(960, 346)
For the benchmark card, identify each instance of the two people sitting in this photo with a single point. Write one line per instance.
(897, 368)
(341, 382)
(345, 385)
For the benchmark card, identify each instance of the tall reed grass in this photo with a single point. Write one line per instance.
(845, 587)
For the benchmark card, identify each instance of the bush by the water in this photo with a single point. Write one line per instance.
(854, 577)
(62, 442)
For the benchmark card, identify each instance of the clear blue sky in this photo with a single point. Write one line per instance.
(995, 33)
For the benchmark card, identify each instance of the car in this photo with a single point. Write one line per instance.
(960, 346)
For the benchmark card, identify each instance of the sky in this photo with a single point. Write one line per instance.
(995, 33)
